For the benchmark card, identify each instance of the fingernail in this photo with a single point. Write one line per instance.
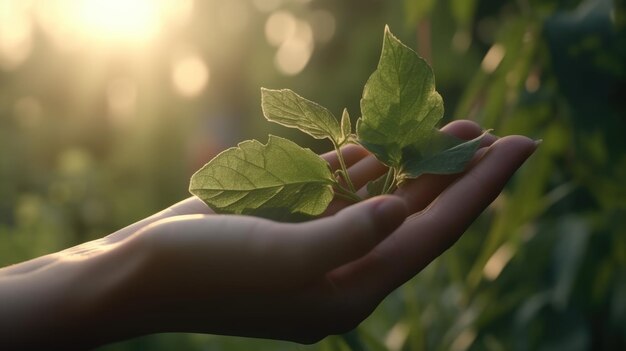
(538, 142)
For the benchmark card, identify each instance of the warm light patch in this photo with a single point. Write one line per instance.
(190, 75)
(497, 262)
(15, 33)
(292, 57)
(109, 21)
(295, 51)
(396, 337)
(492, 59)
(279, 27)
(533, 82)
(136, 20)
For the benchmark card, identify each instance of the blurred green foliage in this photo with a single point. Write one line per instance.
(544, 268)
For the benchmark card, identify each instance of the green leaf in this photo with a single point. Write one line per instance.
(401, 109)
(279, 180)
(346, 127)
(292, 110)
(399, 105)
(443, 154)
(376, 187)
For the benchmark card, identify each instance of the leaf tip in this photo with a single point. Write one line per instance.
(265, 92)
(389, 35)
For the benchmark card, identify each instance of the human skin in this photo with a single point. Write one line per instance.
(186, 269)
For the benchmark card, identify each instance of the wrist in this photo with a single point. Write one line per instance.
(112, 297)
(79, 299)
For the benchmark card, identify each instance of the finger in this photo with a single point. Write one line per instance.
(467, 198)
(351, 233)
(424, 237)
(467, 130)
(368, 168)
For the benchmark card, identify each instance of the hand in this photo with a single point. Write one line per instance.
(186, 269)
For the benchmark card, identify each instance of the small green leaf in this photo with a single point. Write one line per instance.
(292, 110)
(346, 127)
(279, 180)
(443, 154)
(376, 187)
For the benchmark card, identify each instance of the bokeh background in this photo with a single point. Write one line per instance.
(108, 107)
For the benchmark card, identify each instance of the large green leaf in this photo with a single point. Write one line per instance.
(400, 110)
(279, 180)
(399, 105)
(292, 110)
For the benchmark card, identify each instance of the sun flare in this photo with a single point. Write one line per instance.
(136, 20)
(112, 21)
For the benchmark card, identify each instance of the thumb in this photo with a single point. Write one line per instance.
(354, 231)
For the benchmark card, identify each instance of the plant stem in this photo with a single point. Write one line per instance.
(342, 162)
(389, 181)
(346, 194)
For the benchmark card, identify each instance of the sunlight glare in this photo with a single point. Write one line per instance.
(135, 20)
(72, 22)
(15, 33)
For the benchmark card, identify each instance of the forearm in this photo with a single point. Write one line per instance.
(75, 300)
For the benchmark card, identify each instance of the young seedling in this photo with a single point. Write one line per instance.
(280, 180)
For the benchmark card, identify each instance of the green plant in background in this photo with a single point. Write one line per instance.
(281, 180)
